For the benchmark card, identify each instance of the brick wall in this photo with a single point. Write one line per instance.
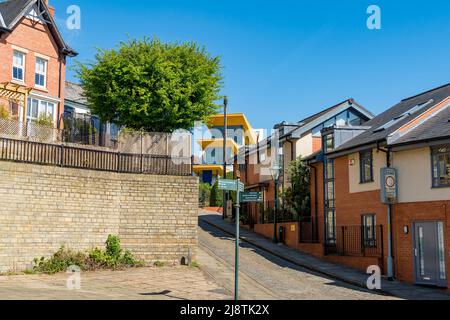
(406, 214)
(43, 208)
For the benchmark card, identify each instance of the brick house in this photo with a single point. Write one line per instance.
(413, 138)
(33, 55)
(289, 142)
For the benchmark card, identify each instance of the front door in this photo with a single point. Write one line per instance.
(429, 253)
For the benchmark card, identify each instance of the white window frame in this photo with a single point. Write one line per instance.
(24, 55)
(44, 74)
(43, 107)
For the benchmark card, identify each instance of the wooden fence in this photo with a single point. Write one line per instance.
(82, 158)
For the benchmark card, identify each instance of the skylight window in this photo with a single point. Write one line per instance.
(397, 119)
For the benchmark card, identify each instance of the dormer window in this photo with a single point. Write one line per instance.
(18, 72)
(41, 73)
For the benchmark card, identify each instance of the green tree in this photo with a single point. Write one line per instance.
(204, 194)
(215, 199)
(4, 112)
(298, 195)
(152, 86)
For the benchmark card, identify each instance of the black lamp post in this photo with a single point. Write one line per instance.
(276, 176)
(225, 137)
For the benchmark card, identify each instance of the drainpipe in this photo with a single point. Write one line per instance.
(391, 274)
(288, 140)
(59, 118)
(291, 143)
(390, 259)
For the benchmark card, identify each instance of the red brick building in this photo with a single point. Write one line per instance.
(288, 142)
(33, 61)
(353, 218)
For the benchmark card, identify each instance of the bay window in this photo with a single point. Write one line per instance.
(38, 108)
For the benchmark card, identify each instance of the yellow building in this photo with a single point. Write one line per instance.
(239, 134)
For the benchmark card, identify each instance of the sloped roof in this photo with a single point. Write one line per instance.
(428, 99)
(311, 122)
(324, 112)
(11, 10)
(308, 124)
(437, 127)
(75, 93)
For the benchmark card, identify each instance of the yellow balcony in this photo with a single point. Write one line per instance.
(218, 143)
(217, 169)
(235, 119)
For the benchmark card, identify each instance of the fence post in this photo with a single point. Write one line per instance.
(118, 161)
(167, 164)
(192, 165)
(61, 160)
(363, 247)
(142, 152)
(343, 241)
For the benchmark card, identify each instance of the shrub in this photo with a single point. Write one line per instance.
(4, 112)
(44, 120)
(60, 261)
(216, 196)
(95, 259)
(204, 194)
(159, 264)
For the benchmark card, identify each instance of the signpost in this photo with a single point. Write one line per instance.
(241, 196)
(389, 196)
(238, 187)
(251, 197)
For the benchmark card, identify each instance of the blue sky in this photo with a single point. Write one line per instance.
(285, 60)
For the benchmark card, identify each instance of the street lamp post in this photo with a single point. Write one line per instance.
(225, 136)
(276, 176)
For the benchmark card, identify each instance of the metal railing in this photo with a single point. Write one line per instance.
(284, 214)
(30, 131)
(83, 158)
(356, 241)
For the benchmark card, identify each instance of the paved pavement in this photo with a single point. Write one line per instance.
(166, 283)
(341, 274)
(264, 276)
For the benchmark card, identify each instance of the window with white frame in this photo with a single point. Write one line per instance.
(41, 72)
(18, 66)
(38, 108)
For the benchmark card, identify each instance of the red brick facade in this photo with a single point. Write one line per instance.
(350, 207)
(405, 214)
(35, 40)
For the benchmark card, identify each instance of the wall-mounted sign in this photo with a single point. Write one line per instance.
(251, 197)
(389, 186)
